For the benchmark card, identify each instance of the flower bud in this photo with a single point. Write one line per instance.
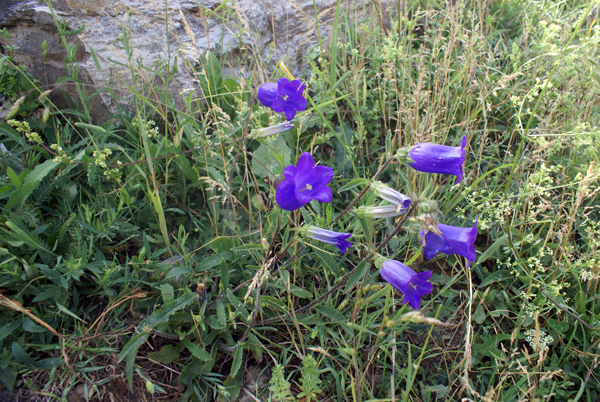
(391, 195)
(384, 211)
(273, 130)
(429, 207)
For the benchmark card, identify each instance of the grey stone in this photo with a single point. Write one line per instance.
(274, 29)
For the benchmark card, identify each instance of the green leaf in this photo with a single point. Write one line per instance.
(165, 355)
(91, 127)
(233, 387)
(196, 350)
(130, 351)
(359, 272)
(239, 307)
(299, 292)
(213, 261)
(8, 376)
(30, 326)
(331, 313)
(49, 363)
(248, 247)
(158, 317)
(221, 244)
(132, 346)
(67, 311)
(492, 249)
(47, 294)
(32, 180)
(209, 76)
(8, 329)
(178, 271)
(238, 359)
(497, 276)
(264, 159)
(329, 261)
(162, 315)
(559, 326)
(14, 178)
(167, 292)
(353, 183)
(20, 355)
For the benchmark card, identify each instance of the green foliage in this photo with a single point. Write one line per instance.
(153, 244)
(280, 387)
(310, 381)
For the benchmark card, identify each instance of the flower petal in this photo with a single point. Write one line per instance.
(290, 173)
(433, 244)
(307, 182)
(323, 175)
(331, 237)
(305, 161)
(460, 241)
(454, 240)
(285, 195)
(323, 194)
(396, 274)
(413, 285)
(267, 93)
(289, 98)
(435, 158)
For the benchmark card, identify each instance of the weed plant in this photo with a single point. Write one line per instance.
(147, 258)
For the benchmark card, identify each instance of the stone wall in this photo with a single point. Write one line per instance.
(169, 30)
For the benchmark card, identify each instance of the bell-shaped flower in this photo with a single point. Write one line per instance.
(273, 130)
(453, 240)
(413, 285)
(383, 211)
(283, 96)
(303, 183)
(435, 158)
(391, 195)
(329, 236)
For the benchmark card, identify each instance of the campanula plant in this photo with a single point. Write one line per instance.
(329, 236)
(283, 96)
(452, 240)
(434, 158)
(273, 130)
(391, 195)
(413, 285)
(304, 183)
(378, 212)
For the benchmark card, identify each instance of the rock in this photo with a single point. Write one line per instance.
(255, 380)
(235, 30)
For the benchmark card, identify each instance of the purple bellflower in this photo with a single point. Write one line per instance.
(454, 240)
(273, 130)
(391, 195)
(329, 236)
(383, 211)
(413, 285)
(303, 183)
(434, 158)
(283, 96)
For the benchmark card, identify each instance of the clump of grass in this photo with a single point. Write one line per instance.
(147, 256)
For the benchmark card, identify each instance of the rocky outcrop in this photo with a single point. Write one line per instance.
(113, 40)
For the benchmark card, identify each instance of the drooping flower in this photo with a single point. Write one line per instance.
(435, 158)
(453, 240)
(413, 285)
(303, 183)
(329, 236)
(391, 195)
(273, 130)
(383, 211)
(283, 96)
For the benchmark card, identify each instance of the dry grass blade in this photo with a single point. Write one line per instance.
(15, 305)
